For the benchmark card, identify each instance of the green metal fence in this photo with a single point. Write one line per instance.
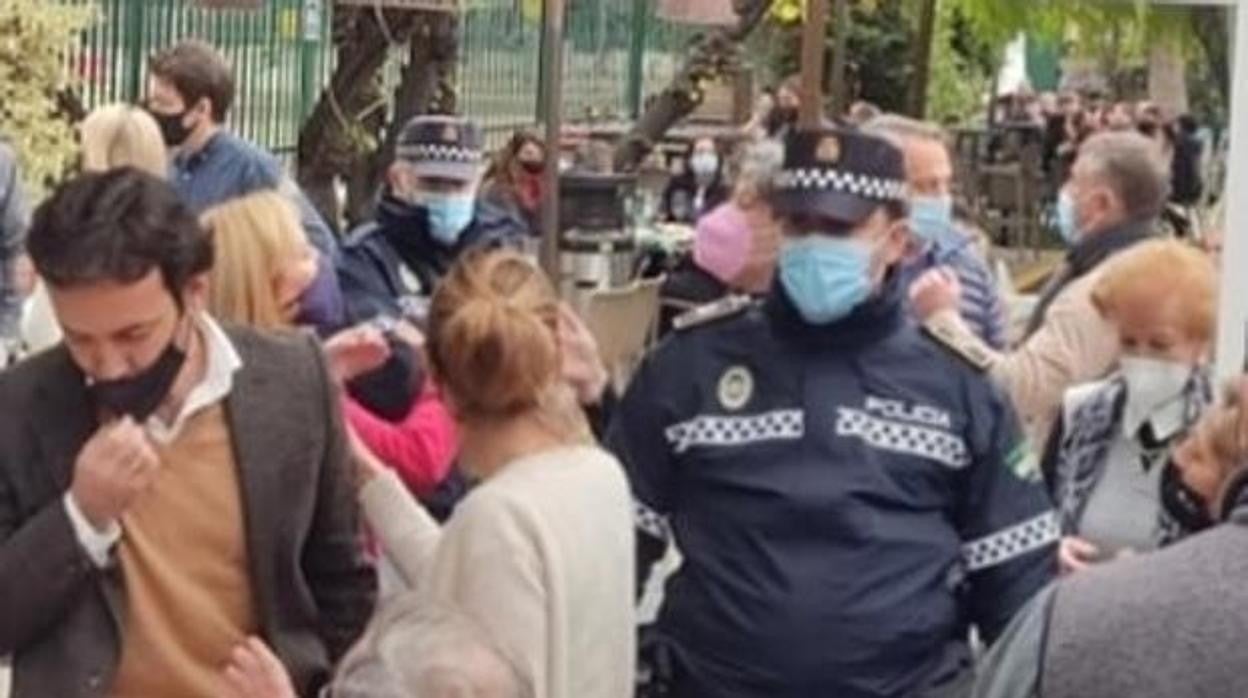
(615, 52)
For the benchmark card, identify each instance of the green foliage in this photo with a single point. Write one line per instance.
(34, 38)
(961, 70)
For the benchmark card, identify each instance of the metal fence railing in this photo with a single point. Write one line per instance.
(615, 52)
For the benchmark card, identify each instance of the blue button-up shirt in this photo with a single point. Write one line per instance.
(229, 167)
(982, 307)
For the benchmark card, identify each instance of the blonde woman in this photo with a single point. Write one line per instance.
(113, 136)
(540, 554)
(121, 135)
(264, 273)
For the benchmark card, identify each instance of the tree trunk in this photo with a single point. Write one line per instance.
(1167, 76)
(425, 86)
(922, 60)
(712, 56)
(339, 130)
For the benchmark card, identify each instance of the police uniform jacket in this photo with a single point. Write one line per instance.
(387, 263)
(847, 500)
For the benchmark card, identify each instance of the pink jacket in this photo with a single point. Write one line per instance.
(420, 449)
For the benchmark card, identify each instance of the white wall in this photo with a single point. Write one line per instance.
(1233, 313)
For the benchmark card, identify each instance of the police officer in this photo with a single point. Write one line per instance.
(428, 216)
(848, 495)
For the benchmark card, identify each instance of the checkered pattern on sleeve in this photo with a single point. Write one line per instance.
(815, 179)
(713, 430)
(439, 152)
(1009, 543)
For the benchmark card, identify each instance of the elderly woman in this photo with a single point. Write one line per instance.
(735, 246)
(1160, 625)
(1107, 454)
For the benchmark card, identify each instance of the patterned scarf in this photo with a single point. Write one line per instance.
(1090, 433)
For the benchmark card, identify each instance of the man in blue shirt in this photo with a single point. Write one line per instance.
(848, 496)
(190, 91)
(937, 240)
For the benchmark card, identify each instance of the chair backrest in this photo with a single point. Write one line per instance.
(623, 321)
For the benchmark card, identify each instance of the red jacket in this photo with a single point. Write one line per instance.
(420, 449)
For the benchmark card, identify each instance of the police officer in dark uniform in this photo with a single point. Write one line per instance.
(428, 216)
(848, 495)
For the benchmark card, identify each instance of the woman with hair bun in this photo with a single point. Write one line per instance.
(541, 553)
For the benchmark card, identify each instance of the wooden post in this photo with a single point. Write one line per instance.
(840, 59)
(813, 39)
(552, 96)
(1233, 300)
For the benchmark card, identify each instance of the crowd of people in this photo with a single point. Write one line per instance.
(242, 456)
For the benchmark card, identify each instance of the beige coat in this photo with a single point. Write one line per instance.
(1073, 346)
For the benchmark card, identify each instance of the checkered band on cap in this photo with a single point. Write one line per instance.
(822, 180)
(439, 152)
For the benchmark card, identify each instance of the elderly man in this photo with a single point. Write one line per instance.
(1117, 188)
(937, 240)
(1170, 623)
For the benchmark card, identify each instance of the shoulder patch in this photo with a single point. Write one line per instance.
(723, 308)
(967, 349)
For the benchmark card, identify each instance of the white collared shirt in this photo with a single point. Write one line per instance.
(221, 362)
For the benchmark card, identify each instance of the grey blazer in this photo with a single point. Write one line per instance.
(61, 617)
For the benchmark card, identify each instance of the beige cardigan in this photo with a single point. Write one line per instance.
(541, 555)
(1075, 345)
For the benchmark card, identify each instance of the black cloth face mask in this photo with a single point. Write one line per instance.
(1186, 506)
(139, 395)
(172, 129)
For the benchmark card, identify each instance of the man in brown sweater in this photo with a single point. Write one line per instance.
(168, 488)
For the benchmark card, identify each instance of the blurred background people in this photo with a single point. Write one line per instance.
(700, 187)
(735, 246)
(14, 217)
(1110, 446)
(514, 181)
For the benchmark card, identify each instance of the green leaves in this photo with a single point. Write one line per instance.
(36, 38)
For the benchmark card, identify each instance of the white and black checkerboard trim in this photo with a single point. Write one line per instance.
(650, 522)
(443, 153)
(1012, 542)
(899, 437)
(736, 431)
(844, 182)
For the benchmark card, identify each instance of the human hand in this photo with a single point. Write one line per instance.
(116, 465)
(255, 672)
(1075, 554)
(367, 464)
(582, 363)
(356, 351)
(935, 291)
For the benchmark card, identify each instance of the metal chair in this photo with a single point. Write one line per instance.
(624, 322)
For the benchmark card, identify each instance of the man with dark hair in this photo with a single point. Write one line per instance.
(848, 496)
(190, 92)
(168, 488)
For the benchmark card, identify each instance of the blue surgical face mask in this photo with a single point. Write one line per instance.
(931, 218)
(1067, 223)
(449, 215)
(825, 277)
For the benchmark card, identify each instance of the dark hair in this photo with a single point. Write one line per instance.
(500, 168)
(117, 226)
(197, 70)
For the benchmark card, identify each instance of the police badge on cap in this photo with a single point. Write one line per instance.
(443, 147)
(838, 174)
